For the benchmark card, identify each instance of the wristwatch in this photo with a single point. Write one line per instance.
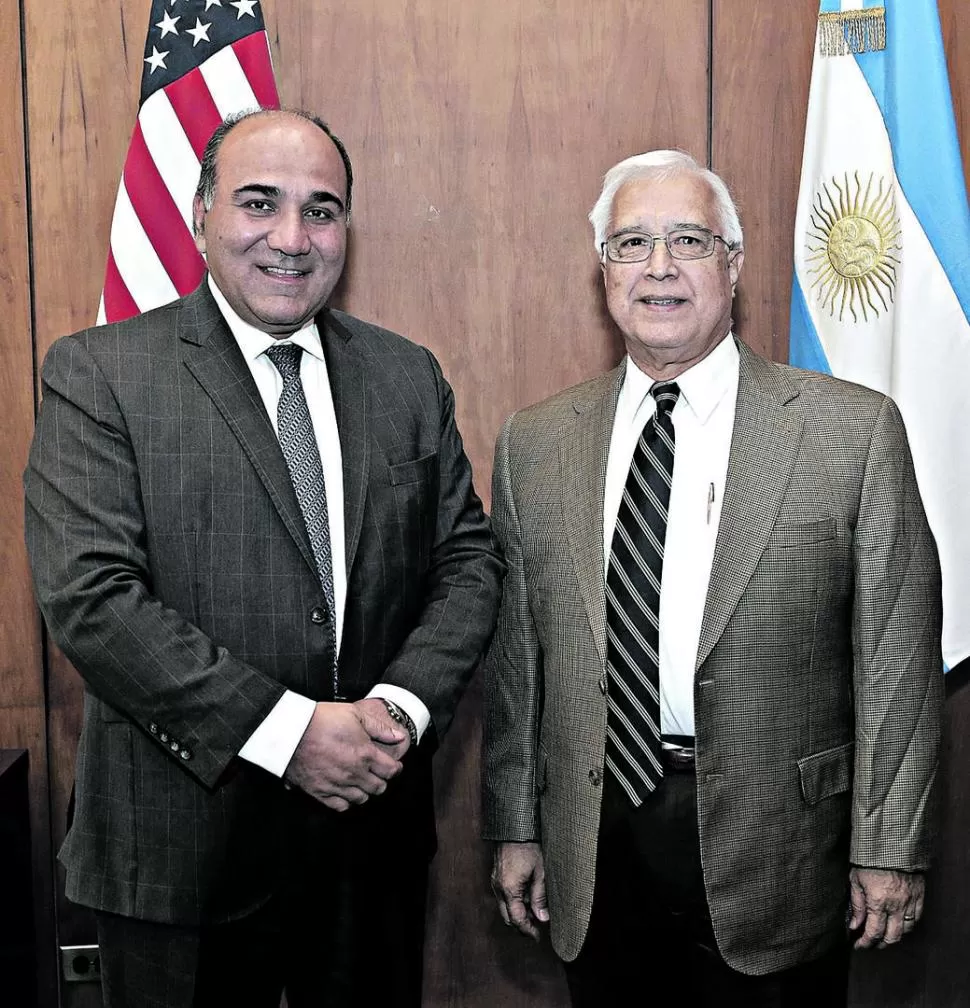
(402, 718)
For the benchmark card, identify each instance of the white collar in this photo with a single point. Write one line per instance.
(253, 342)
(702, 385)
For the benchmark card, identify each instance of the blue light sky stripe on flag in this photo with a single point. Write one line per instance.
(913, 95)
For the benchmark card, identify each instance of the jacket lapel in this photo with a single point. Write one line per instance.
(584, 447)
(767, 431)
(212, 355)
(349, 388)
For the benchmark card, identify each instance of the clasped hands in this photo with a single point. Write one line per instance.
(348, 753)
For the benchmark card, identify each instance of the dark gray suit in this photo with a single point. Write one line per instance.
(818, 678)
(173, 568)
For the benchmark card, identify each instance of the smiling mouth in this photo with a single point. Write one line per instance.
(663, 302)
(279, 271)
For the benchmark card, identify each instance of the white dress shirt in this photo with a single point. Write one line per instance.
(273, 743)
(703, 421)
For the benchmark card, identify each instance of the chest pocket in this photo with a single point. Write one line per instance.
(792, 535)
(418, 471)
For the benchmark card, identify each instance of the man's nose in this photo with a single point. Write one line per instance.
(290, 234)
(660, 263)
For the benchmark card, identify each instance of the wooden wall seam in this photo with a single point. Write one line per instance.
(710, 84)
(30, 225)
(23, 692)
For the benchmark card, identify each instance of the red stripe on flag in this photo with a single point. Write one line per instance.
(194, 108)
(160, 217)
(118, 303)
(253, 55)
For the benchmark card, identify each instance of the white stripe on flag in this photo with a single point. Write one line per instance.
(227, 83)
(140, 268)
(171, 151)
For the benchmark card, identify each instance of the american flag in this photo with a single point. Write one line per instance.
(203, 60)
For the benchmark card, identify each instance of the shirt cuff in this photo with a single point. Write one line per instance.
(273, 743)
(408, 703)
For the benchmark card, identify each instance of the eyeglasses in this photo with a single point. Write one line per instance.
(682, 243)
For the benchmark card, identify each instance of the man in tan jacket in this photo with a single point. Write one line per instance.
(713, 698)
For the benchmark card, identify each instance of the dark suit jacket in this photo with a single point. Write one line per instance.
(818, 678)
(173, 567)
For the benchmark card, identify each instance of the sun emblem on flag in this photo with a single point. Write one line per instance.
(854, 246)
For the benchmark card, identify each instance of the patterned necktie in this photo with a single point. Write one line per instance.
(302, 454)
(633, 605)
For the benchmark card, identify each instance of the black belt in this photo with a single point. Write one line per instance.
(677, 753)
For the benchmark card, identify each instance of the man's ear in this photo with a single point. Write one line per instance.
(735, 262)
(198, 223)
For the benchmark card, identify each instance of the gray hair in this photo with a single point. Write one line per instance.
(662, 164)
(206, 189)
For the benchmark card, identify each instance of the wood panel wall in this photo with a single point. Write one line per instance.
(480, 132)
(22, 714)
(82, 80)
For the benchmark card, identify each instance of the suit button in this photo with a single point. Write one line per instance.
(163, 737)
(595, 777)
(603, 684)
(318, 615)
(174, 746)
(153, 728)
(185, 754)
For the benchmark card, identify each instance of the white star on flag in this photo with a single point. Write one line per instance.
(213, 3)
(244, 7)
(167, 24)
(156, 60)
(200, 33)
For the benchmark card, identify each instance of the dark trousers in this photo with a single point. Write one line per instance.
(345, 930)
(650, 931)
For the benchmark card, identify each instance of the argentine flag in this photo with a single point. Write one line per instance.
(882, 253)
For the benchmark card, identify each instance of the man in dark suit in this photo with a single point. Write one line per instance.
(713, 697)
(253, 531)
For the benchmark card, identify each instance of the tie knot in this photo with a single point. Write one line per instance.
(286, 358)
(665, 395)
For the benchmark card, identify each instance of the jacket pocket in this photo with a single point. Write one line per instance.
(794, 534)
(418, 471)
(826, 773)
(99, 710)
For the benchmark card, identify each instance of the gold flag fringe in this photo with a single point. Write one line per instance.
(852, 31)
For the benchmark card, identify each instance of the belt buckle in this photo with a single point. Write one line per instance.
(679, 757)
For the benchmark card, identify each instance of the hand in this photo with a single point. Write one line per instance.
(887, 902)
(382, 728)
(338, 762)
(519, 884)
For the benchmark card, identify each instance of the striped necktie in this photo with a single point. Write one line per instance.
(633, 605)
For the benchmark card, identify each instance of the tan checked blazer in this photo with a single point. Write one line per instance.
(818, 679)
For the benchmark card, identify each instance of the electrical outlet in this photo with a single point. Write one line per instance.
(80, 963)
